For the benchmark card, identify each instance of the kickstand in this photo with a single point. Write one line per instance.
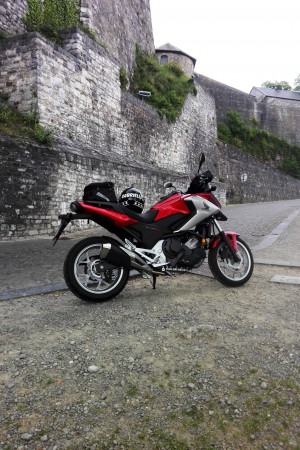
(154, 280)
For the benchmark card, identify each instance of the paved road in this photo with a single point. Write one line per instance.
(271, 229)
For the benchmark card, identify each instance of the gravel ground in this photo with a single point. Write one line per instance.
(192, 365)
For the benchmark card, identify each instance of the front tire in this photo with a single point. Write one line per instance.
(223, 267)
(88, 276)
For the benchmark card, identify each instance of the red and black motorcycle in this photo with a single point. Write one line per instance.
(173, 237)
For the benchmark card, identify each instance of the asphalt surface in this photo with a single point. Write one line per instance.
(272, 230)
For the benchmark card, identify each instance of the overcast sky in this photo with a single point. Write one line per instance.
(241, 43)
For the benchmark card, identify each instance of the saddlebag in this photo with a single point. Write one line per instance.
(99, 192)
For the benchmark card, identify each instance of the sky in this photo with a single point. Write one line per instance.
(241, 43)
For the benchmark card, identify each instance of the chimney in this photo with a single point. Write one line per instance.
(278, 87)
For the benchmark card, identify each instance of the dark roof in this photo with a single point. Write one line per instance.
(169, 48)
(278, 93)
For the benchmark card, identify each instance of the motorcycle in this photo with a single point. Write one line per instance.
(174, 236)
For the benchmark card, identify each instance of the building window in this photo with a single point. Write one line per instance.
(164, 59)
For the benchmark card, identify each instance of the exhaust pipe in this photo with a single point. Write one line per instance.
(113, 254)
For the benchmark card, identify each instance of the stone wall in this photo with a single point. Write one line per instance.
(248, 180)
(119, 25)
(228, 98)
(76, 90)
(11, 13)
(19, 71)
(275, 115)
(281, 117)
(38, 183)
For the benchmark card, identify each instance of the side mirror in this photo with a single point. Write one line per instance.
(168, 184)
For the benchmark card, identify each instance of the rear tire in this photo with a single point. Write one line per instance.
(89, 277)
(223, 267)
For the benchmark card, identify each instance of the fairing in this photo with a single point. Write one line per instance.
(177, 213)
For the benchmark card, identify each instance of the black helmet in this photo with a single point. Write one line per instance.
(133, 199)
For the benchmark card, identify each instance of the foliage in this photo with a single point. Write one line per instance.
(18, 124)
(274, 84)
(285, 85)
(33, 18)
(51, 16)
(297, 84)
(167, 83)
(264, 146)
(123, 79)
(4, 34)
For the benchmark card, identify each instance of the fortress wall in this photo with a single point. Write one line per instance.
(120, 25)
(171, 145)
(11, 13)
(278, 116)
(250, 180)
(37, 183)
(282, 117)
(228, 98)
(19, 71)
(76, 90)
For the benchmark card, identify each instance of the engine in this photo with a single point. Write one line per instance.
(185, 252)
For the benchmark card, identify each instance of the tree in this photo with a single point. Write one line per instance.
(297, 84)
(274, 84)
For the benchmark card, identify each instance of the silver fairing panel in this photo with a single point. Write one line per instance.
(204, 210)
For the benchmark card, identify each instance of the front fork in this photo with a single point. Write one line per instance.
(229, 238)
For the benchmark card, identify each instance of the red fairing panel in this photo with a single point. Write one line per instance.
(170, 206)
(231, 236)
(210, 198)
(120, 220)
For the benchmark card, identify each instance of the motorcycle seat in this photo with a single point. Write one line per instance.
(147, 217)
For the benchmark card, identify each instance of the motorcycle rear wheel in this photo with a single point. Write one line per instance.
(223, 267)
(88, 276)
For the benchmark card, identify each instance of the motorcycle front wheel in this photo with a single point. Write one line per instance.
(225, 269)
(88, 276)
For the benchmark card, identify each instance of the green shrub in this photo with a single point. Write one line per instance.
(51, 16)
(264, 146)
(167, 83)
(42, 134)
(19, 124)
(123, 79)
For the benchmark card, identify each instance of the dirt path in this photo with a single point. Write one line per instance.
(192, 365)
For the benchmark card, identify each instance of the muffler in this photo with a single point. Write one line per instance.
(113, 254)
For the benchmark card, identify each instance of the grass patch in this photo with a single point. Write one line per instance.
(50, 17)
(262, 145)
(18, 125)
(132, 390)
(168, 84)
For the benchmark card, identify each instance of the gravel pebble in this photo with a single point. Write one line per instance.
(166, 363)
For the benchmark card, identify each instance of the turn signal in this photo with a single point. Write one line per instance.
(74, 207)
